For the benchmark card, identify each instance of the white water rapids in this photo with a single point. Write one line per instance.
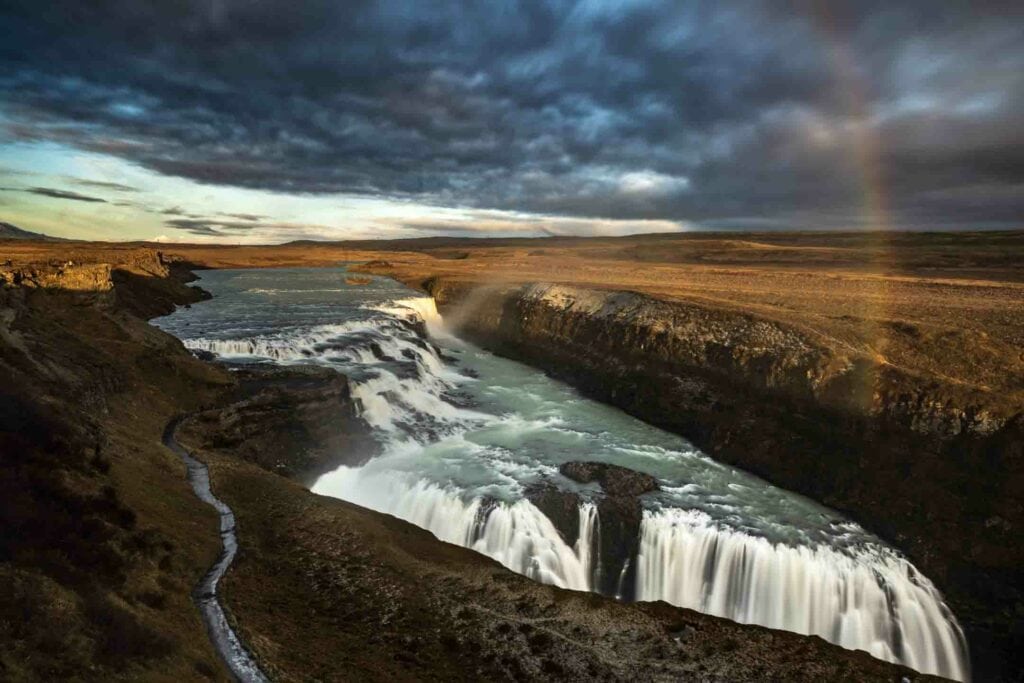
(464, 433)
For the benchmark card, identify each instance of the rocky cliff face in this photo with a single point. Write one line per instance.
(936, 468)
(143, 282)
(299, 422)
(67, 276)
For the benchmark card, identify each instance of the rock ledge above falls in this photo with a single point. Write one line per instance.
(614, 480)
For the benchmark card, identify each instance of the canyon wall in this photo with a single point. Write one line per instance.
(935, 468)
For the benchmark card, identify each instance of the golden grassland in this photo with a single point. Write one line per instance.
(943, 305)
(104, 539)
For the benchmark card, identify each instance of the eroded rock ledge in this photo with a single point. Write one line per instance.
(937, 468)
(297, 421)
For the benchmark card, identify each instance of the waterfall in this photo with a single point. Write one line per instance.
(292, 345)
(588, 544)
(415, 308)
(516, 534)
(458, 468)
(872, 601)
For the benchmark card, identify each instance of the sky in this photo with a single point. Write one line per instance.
(264, 121)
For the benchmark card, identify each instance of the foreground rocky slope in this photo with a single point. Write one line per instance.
(375, 598)
(103, 540)
(936, 467)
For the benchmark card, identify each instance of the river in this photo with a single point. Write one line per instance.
(464, 434)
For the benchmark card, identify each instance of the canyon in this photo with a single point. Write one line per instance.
(935, 467)
(918, 443)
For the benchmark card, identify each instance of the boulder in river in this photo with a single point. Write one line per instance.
(614, 480)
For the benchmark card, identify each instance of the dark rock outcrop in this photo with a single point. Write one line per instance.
(560, 506)
(155, 286)
(614, 480)
(619, 512)
(298, 421)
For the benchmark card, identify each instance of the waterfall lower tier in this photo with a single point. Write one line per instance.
(868, 600)
(873, 601)
(517, 535)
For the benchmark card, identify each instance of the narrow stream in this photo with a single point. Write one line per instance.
(465, 434)
(225, 641)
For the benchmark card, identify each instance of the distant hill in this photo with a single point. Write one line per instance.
(13, 232)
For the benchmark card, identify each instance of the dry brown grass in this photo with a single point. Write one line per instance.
(942, 305)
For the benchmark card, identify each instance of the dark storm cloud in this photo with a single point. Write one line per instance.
(208, 226)
(64, 194)
(103, 185)
(718, 114)
(245, 216)
(199, 228)
(246, 225)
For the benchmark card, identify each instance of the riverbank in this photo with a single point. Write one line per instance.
(87, 390)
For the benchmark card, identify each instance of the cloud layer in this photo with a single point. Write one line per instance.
(727, 115)
(63, 194)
